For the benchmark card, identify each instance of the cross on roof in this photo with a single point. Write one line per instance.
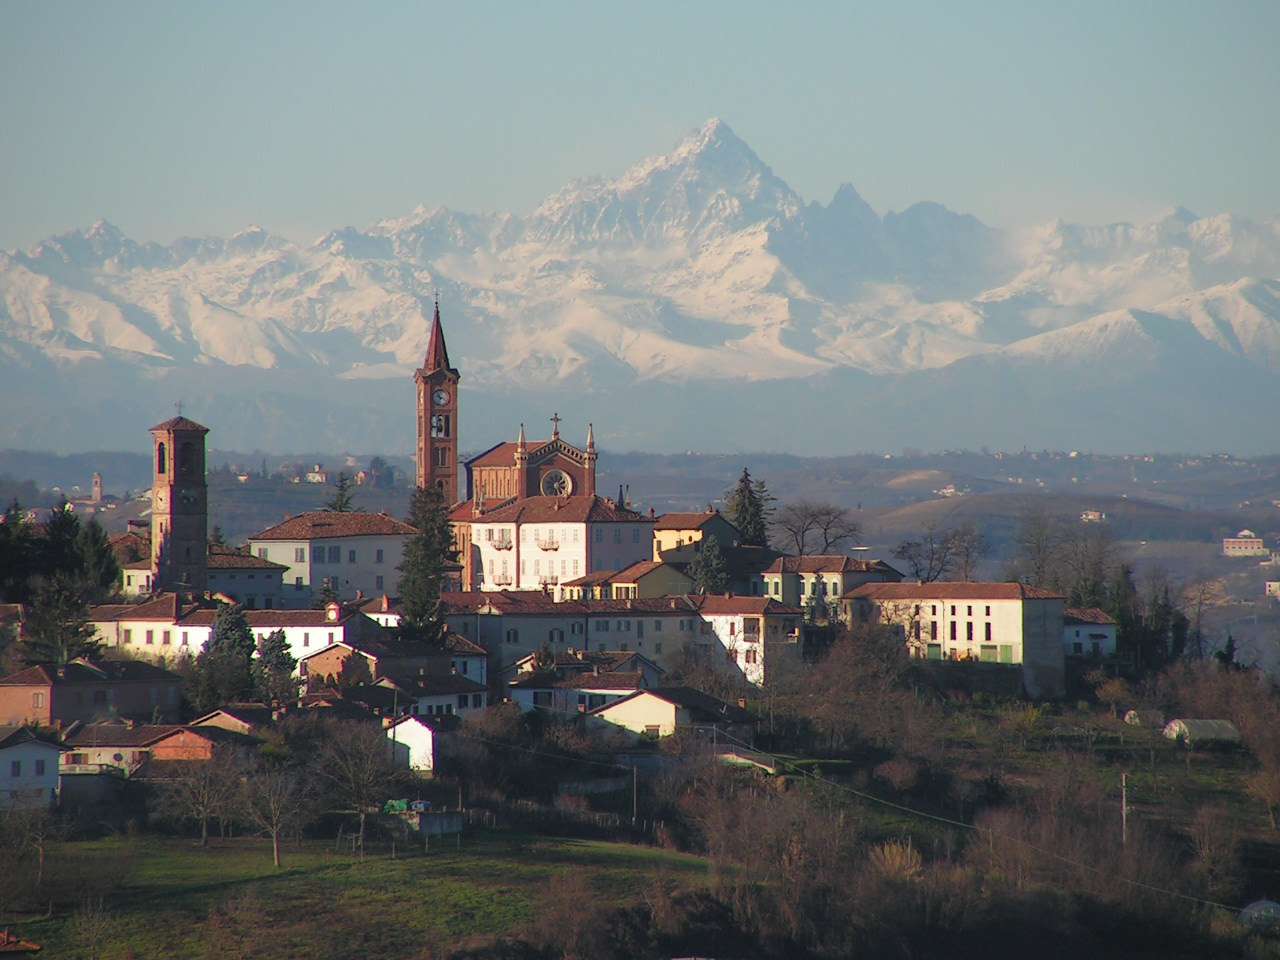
(555, 425)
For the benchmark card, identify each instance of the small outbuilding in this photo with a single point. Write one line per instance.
(1203, 733)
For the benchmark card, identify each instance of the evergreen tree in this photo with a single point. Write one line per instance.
(17, 555)
(58, 547)
(98, 567)
(749, 507)
(1227, 655)
(422, 567)
(708, 570)
(343, 499)
(224, 669)
(57, 628)
(273, 669)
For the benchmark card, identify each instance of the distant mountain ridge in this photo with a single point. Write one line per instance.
(696, 280)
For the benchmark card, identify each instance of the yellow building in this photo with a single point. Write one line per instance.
(676, 535)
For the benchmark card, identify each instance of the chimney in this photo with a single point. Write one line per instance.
(359, 595)
(386, 603)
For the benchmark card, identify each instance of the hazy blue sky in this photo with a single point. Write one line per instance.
(174, 118)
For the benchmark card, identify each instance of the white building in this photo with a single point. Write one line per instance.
(1088, 632)
(28, 768)
(353, 553)
(162, 627)
(1007, 623)
(538, 542)
(663, 711)
(413, 744)
(756, 637)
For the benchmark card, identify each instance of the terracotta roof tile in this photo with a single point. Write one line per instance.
(181, 423)
(224, 559)
(1087, 615)
(119, 734)
(327, 525)
(833, 563)
(951, 590)
(687, 521)
(593, 509)
(79, 671)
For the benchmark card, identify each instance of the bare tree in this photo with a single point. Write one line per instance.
(1036, 546)
(825, 526)
(931, 557)
(355, 759)
(274, 798)
(202, 790)
(969, 547)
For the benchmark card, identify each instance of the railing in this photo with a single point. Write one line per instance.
(549, 580)
(502, 580)
(503, 544)
(551, 543)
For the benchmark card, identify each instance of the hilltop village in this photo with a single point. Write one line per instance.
(527, 651)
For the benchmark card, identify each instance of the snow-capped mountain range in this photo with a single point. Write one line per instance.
(696, 301)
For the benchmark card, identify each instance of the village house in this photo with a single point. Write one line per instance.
(413, 744)
(585, 661)
(644, 579)
(1246, 543)
(126, 747)
(351, 553)
(246, 718)
(664, 711)
(1088, 632)
(575, 692)
(1004, 623)
(794, 580)
(677, 537)
(28, 768)
(385, 657)
(754, 637)
(420, 695)
(253, 582)
(84, 691)
(164, 626)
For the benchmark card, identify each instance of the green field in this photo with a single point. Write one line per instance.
(174, 900)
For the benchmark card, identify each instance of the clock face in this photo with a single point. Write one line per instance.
(441, 397)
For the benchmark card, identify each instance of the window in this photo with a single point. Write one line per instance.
(1077, 648)
(306, 639)
(968, 631)
(933, 629)
(15, 768)
(657, 647)
(184, 637)
(151, 636)
(297, 583)
(335, 554)
(377, 583)
(317, 554)
(40, 767)
(953, 630)
(351, 556)
(988, 610)
(164, 637)
(331, 636)
(916, 629)
(987, 635)
(462, 701)
(161, 465)
(635, 534)
(575, 566)
(599, 535)
(987, 653)
(1006, 653)
(377, 556)
(128, 635)
(968, 611)
(953, 609)
(935, 651)
(37, 700)
(752, 656)
(477, 700)
(657, 626)
(617, 535)
(513, 636)
(488, 534)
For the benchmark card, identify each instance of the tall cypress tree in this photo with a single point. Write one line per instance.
(422, 567)
(98, 566)
(749, 506)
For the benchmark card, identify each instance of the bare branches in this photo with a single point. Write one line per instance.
(931, 557)
(824, 527)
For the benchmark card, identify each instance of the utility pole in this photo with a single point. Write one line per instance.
(635, 809)
(1124, 809)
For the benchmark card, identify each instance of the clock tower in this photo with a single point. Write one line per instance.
(437, 451)
(179, 507)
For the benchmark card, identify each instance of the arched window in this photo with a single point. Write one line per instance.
(186, 457)
(161, 466)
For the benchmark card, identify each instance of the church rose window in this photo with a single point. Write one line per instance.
(555, 483)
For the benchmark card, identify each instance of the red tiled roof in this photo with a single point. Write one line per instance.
(180, 423)
(832, 563)
(687, 521)
(593, 509)
(591, 579)
(80, 671)
(952, 590)
(702, 707)
(605, 680)
(640, 568)
(12, 735)
(224, 559)
(1086, 615)
(119, 734)
(743, 604)
(327, 524)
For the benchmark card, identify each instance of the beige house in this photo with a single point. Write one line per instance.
(678, 535)
(664, 711)
(1246, 543)
(793, 580)
(1002, 623)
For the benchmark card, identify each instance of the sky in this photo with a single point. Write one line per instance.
(199, 118)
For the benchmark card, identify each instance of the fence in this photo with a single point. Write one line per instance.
(526, 814)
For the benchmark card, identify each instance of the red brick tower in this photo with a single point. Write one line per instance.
(437, 451)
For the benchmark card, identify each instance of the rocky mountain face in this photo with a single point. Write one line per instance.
(696, 301)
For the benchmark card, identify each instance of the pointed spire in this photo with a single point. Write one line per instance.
(520, 442)
(437, 352)
(591, 437)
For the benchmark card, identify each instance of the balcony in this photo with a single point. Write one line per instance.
(502, 580)
(548, 580)
(551, 543)
(503, 543)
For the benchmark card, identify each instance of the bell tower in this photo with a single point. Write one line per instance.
(179, 507)
(437, 382)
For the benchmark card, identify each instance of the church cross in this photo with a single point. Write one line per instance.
(555, 425)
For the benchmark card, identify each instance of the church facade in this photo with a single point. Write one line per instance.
(525, 513)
